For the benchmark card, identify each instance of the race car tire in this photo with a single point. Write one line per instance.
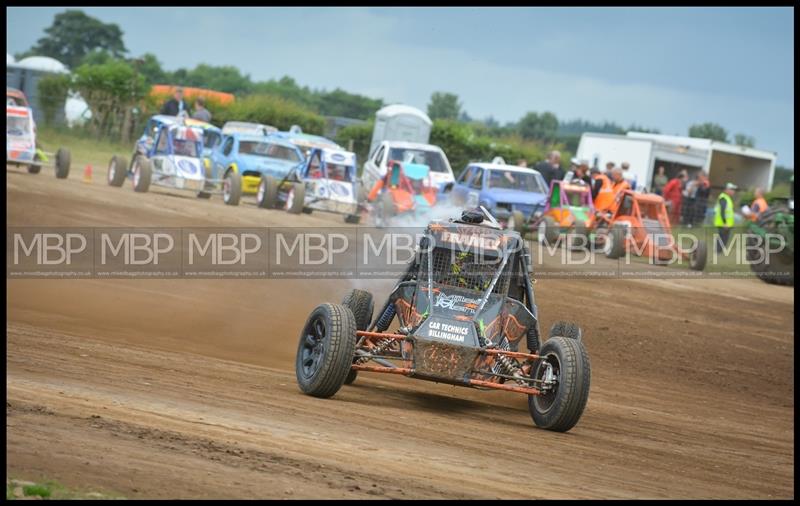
(62, 163)
(267, 195)
(117, 171)
(566, 329)
(203, 195)
(34, 169)
(548, 231)
(615, 242)
(232, 188)
(579, 237)
(296, 199)
(142, 172)
(307, 210)
(361, 304)
(355, 219)
(325, 351)
(698, 257)
(516, 222)
(560, 409)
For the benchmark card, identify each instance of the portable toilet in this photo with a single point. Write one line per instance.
(400, 123)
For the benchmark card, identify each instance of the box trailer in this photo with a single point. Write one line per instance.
(645, 152)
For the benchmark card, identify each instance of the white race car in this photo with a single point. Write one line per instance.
(21, 144)
(326, 181)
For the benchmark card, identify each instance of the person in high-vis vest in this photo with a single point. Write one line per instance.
(723, 215)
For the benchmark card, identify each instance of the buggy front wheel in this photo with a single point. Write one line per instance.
(325, 351)
(563, 373)
(62, 163)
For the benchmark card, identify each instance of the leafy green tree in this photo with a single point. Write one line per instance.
(744, 140)
(53, 89)
(538, 126)
(111, 90)
(150, 68)
(271, 110)
(709, 130)
(444, 106)
(349, 105)
(73, 35)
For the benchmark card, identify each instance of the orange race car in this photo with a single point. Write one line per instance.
(639, 224)
(406, 189)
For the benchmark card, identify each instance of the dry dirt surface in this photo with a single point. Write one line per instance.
(186, 388)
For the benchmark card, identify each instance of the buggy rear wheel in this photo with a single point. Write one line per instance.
(34, 169)
(355, 219)
(62, 163)
(325, 351)
(698, 256)
(566, 329)
(615, 242)
(566, 363)
(117, 171)
(579, 237)
(361, 304)
(548, 231)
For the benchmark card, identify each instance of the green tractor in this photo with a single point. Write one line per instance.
(776, 223)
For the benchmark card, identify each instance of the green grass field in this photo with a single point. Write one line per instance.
(18, 489)
(84, 149)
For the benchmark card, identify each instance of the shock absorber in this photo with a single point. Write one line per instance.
(386, 318)
(504, 364)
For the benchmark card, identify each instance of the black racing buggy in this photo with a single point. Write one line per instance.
(463, 306)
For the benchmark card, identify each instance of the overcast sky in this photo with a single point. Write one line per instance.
(664, 68)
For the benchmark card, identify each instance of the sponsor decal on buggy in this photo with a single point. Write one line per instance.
(340, 157)
(448, 331)
(340, 189)
(480, 241)
(456, 303)
(187, 168)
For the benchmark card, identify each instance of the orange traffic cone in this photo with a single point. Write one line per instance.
(87, 174)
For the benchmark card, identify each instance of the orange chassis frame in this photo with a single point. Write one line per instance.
(408, 370)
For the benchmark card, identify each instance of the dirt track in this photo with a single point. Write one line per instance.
(186, 388)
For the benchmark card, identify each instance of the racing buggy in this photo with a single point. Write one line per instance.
(639, 224)
(405, 191)
(324, 181)
(569, 211)
(171, 154)
(21, 144)
(457, 315)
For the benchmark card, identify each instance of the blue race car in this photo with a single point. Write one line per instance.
(507, 191)
(254, 156)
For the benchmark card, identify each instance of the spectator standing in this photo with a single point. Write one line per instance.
(673, 194)
(175, 105)
(723, 215)
(551, 168)
(688, 204)
(627, 175)
(200, 111)
(522, 163)
(659, 180)
(701, 196)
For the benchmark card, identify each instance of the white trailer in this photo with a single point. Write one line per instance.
(645, 152)
(400, 123)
